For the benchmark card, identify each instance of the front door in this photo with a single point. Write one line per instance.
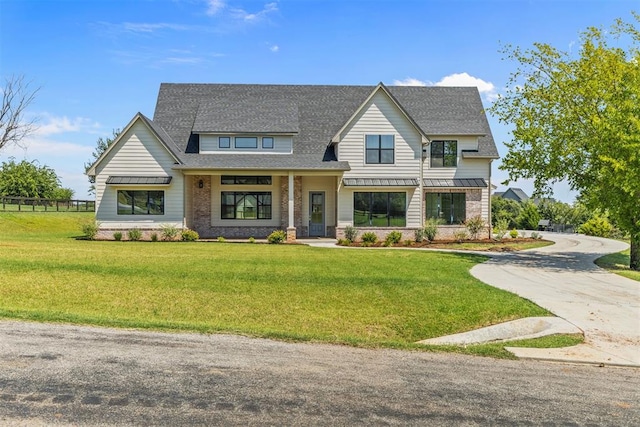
(316, 213)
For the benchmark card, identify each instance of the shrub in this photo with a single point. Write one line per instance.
(168, 232)
(369, 238)
(408, 242)
(523, 234)
(117, 235)
(430, 229)
(419, 235)
(350, 233)
(513, 233)
(529, 216)
(474, 225)
(134, 235)
(221, 239)
(460, 235)
(536, 235)
(278, 236)
(154, 237)
(90, 229)
(393, 238)
(189, 235)
(252, 239)
(500, 230)
(344, 242)
(598, 226)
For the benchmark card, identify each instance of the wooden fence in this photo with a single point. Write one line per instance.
(46, 205)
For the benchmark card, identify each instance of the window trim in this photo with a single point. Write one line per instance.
(379, 149)
(133, 205)
(446, 154)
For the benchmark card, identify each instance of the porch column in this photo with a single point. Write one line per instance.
(291, 228)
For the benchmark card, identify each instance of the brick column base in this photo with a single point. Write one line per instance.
(291, 234)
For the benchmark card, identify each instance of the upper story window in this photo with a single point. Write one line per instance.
(267, 142)
(246, 142)
(224, 142)
(379, 149)
(444, 154)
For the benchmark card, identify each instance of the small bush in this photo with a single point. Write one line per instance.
(598, 226)
(134, 235)
(523, 234)
(419, 235)
(536, 235)
(252, 239)
(430, 229)
(350, 233)
(500, 230)
(278, 236)
(154, 237)
(474, 225)
(189, 235)
(408, 242)
(117, 236)
(369, 238)
(168, 232)
(513, 233)
(460, 235)
(393, 238)
(344, 242)
(221, 239)
(90, 229)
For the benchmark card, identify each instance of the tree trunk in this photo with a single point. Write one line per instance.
(634, 262)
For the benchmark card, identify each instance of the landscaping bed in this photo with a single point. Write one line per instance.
(488, 245)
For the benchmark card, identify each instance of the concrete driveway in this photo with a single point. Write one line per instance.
(563, 279)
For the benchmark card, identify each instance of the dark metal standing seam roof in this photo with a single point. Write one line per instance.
(380, 182)
(139, 180)
(455, 183)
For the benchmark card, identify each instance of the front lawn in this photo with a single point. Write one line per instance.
(389, 298)
(619, 264)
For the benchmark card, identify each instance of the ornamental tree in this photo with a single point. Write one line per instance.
(576, 117)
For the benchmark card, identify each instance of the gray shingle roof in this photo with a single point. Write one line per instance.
(314, 113)
(455, 183)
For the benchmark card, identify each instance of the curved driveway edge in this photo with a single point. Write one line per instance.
(563, 279)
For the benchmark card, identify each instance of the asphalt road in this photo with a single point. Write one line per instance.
(67, 375)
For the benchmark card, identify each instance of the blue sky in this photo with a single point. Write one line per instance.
(98, 62)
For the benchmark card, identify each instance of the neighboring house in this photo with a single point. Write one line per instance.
(513, 194)
(244, 160)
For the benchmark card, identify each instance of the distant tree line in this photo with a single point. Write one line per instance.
(28, 179)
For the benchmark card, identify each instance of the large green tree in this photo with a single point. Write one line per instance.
(576, 117)
(27, 179)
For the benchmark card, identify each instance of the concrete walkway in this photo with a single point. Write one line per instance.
(563, 279)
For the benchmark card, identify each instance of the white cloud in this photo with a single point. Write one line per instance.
(243, 15)
(274, 48)
(409, 81)
(486, 89)
(55, 125)
(214, 6)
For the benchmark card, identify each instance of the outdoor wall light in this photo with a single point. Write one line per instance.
(201, 184)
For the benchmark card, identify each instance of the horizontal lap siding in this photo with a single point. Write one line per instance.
(138, 153)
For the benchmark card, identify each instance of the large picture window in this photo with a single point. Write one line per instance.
(379, 149)
(444, 154)
(448, 207)
(138, 202)
(379, 209)
(246, 205)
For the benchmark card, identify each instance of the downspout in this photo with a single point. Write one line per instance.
(490, 208)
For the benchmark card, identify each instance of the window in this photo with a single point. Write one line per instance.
(132, 202)
(449, 207)
(267, 142)
(379, 209)
(444, 154)
(246, 142)
(245, 180)
(246, 205)
(379, 149)
(224, 142)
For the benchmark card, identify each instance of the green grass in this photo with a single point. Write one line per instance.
(619, 264)
(382, 298)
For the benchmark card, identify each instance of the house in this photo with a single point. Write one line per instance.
(241, 160)
(513, 194)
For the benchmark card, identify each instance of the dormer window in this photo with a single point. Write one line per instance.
(224, 142)
(267, 142)
(246, 142)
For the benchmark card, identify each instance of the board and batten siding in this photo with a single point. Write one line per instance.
(282, 144)
(380, 116)
(138, 153)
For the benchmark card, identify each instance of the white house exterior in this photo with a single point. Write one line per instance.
(244, 160)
